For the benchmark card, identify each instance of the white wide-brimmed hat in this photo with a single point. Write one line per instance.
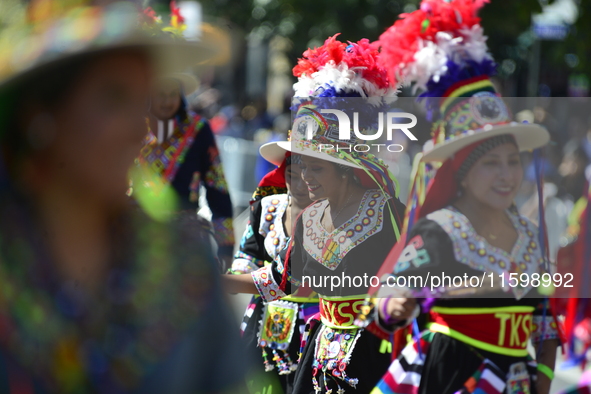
(274, 152)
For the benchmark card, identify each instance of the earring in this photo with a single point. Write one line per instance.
(344, 176)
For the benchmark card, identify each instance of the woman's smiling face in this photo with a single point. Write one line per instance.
(323, 179)
(296, 186)
(495, 178)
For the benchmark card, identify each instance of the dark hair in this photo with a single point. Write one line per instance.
(48, 87)
(346, 170)
(482, 149)
(182, 113)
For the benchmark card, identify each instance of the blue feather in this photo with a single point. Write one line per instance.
(455, 73)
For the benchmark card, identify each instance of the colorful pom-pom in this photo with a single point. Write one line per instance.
(419, 46)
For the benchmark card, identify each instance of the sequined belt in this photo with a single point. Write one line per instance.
(340, 312)
(504, 330)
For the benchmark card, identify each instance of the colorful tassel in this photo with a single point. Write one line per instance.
(268, 365)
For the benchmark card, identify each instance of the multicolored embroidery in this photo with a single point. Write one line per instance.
(194, 187)
(330, 248)
(543, 328)
(165, 159)
(474, 251)
(264, 191)
(271, 224)
(275, 333)
(215, 176)
(137, 300)
(332, 354)
(266, 285)
(414, 255)
(244, 263)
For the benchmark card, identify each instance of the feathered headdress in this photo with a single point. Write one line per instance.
(337, 69)
(327, 77)
(436, 46)
(440, 49)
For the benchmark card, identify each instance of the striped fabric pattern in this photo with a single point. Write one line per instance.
(404, 374)
(488, 379)
(310, 324)
(247, 314)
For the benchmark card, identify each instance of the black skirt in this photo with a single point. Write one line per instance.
(449, 363)
(260, 379)
(367, 364)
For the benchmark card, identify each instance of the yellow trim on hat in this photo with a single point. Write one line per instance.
(472, 86)
(462, 90)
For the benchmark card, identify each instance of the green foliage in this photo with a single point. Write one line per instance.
(307, 23)
(579, 41)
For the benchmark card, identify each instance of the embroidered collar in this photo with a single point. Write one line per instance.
(474, 250)
(165, 158)
(271, 223)
(329, 248)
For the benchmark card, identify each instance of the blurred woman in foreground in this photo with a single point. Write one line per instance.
(95, 297)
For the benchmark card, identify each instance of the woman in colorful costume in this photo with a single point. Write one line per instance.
(275, 327)
(181, 151)
(466, 223)
(96, 297)
(347, 231)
